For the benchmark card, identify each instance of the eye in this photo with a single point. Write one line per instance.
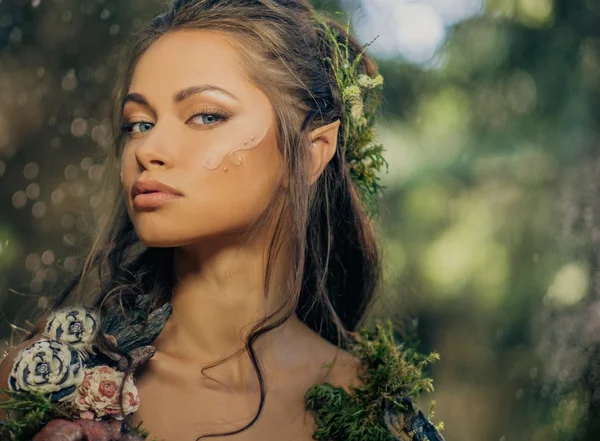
(209, 118)
(136, 127)
(206, 118)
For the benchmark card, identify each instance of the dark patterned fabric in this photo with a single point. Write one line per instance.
(410, 424)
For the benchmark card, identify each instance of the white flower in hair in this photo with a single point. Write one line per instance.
(47, 367)
(76, 326)
(367, 82)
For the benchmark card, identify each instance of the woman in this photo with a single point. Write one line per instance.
(240, 243)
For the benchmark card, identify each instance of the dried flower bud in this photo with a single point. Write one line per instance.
(99, 393)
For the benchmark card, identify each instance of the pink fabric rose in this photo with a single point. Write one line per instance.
(99, 393)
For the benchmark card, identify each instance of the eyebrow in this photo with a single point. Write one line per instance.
(180, 96)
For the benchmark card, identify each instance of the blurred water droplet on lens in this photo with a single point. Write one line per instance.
(50, 274)
(79, 127)
(71, 171)
(35, 3)
(40, 72)
(19, 199)
(104, 14)
(95, 172)
(69, 240)
(94, 201)
(33, 191)
(15, 36)
(67, 222)
(99, 133)
(57, 196)
(36, 285)
(570, 285)
(533, 372)
(48, 257)
(70, 263)
(114, 29)
(69, 81)
(86, 163)
(32, 262)
(77, 189)
(38, 210)
(31, 170)
(39, 275)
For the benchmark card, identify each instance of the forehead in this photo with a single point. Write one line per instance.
(184, 58)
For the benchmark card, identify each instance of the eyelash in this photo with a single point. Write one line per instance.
(127, 126)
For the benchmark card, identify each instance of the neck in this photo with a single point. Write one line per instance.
(218, 298)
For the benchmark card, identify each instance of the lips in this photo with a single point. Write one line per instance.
(153, 186)
(152, 194)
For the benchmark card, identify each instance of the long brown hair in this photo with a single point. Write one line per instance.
(331, 241)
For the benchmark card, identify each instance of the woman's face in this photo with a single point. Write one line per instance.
(196, 123)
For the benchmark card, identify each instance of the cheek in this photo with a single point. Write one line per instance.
(236, 197)
(129, 168)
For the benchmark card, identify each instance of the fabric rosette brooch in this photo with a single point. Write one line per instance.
(54, 395)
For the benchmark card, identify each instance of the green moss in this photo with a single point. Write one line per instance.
(27, 413)
(390, 373)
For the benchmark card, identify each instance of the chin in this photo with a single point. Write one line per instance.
(156, 236)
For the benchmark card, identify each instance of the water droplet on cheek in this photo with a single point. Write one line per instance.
(237, 159)
(225, 169)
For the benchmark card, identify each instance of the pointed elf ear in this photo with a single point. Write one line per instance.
(322, 150)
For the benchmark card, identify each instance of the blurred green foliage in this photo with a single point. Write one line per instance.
(489, 223)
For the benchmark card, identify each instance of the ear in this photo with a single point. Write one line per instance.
(322, 149)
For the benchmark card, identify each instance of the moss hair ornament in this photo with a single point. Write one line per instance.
(360, 95)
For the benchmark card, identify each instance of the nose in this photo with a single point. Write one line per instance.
(155, 150)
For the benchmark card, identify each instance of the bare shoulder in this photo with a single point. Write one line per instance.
(340, 367)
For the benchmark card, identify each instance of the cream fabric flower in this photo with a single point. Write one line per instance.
(76, 326)
(48, 367)
(99, 393)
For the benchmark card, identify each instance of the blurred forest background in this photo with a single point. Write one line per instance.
(490, 220)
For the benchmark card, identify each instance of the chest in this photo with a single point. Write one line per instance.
(184, 412)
